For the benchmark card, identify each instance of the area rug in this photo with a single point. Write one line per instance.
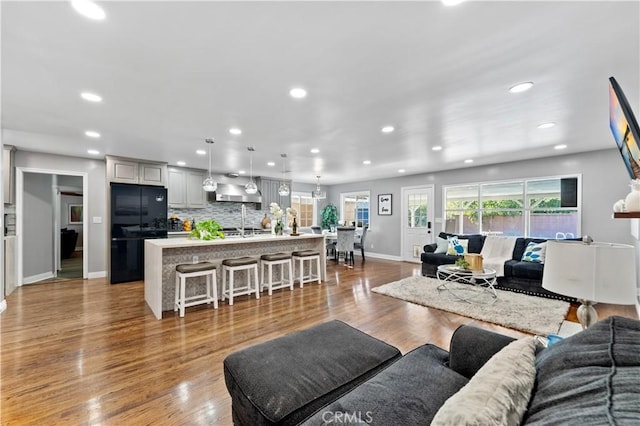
(530, 314)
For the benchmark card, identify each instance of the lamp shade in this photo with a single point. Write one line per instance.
(598, 272)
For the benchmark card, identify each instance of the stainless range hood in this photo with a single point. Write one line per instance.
(236, 193)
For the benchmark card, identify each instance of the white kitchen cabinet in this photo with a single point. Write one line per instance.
(176, 192)
(126, 170)
(185, 188)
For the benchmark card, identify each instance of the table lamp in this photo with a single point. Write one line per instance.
(596, 272)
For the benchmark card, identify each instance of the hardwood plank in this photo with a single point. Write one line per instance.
(86, 352)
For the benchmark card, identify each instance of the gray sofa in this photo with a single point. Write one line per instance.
(334, 374)
(519, 276)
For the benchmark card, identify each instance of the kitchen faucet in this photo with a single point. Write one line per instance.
(243, 215)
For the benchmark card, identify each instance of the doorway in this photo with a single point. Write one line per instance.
(40, 220)
(417, 221)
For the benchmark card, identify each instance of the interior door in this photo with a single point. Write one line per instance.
(417, 221)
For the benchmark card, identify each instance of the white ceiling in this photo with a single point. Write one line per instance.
(174, 73)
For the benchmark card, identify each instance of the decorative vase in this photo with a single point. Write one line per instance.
(278, 228)
(632, 202)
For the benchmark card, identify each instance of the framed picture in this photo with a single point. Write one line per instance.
(384, 204)
(75, 214)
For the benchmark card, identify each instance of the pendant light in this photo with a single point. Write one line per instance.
(318, 194)
(251, 187)
(209, 184)
(283, 189)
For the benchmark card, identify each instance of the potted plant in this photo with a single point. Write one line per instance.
(329, 216)
(207, 230)
(462, 263)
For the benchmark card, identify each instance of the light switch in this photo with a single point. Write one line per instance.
(97, 219)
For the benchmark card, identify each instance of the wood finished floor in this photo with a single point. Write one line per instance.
(86, 352)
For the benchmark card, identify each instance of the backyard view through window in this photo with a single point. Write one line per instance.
(542, 208)
(355, 208)
(303, 204)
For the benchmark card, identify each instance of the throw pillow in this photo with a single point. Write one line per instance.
(456, 246)
(535, 252)
(498, 394)
(443, 245)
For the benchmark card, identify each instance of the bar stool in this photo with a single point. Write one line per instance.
(307, 255)
(239, 264)
(189, 270)
(270, 260)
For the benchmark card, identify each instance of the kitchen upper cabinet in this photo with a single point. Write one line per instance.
(185, 189)
(8, 174)
(126, 170)
(269, 190)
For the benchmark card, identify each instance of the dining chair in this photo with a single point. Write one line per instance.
(345, 243)
(360, 244)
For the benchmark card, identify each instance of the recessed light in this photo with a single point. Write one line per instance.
(367, 162)
(201, 152)
(271, 164)
(315, 150)
(437, 148)
(91, 97)
(561, 146)
(546, 125)
(401, 170)
(452, 2)
(521, 87)
(181, 163)
(387, 129)
(468, 161)
(89, 9)
(92, 134)
(235, 131)
(241, 172)
(93, 152)
(298, 93)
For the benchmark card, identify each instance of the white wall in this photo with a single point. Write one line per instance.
(604, 181)
(37, 227)
(96, 240)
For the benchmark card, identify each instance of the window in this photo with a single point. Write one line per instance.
(532, 207)
(304, 205)
(355, 208)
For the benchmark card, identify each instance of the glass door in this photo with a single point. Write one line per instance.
(417, 221)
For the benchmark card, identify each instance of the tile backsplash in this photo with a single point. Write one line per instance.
(226, 214)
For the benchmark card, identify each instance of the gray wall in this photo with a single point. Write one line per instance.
(96, 240)
(604, 181)
(37, 225)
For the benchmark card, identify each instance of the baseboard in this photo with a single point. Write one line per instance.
(3, 306)
(382, 256)
(99, 274)
(36, 278)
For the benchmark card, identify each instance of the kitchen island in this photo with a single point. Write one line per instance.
(162, 255)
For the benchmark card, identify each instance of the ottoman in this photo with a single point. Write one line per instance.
(285, 380)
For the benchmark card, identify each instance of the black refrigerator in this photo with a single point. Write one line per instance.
(138, 212)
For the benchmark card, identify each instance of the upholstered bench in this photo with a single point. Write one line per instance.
(287, 379)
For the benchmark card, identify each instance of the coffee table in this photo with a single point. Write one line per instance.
(480, 283)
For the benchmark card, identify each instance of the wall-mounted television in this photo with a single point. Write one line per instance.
(624, 128)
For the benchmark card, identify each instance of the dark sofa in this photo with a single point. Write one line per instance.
(592, 377)
(519, 276)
